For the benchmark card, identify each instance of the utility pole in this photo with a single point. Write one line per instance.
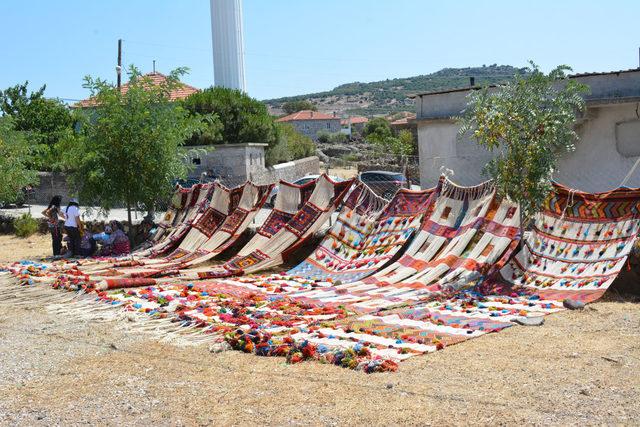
(119, 67)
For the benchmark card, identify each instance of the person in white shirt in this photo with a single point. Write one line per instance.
(71, 226)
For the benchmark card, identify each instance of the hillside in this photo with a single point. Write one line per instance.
(391, 95)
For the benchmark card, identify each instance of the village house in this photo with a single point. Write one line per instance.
(181, 91)
(312, 123)
(609, 132)
(353, 124)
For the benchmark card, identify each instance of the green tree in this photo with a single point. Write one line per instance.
(242, 119)
(291, 145)
(127, 150)
(378, 133)
(14, 161)
(291, 107)
(378, 126)
(45, 122)
(401, 145)
(527, 122)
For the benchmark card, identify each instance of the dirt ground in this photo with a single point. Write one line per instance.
(578, 368)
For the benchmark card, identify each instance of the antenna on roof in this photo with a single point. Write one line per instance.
(154, 65)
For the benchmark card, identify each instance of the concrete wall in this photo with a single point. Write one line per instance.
(604, 155)
(597, 164)
(439, 150)
(312, 128)
(236, 161)
(289, 171)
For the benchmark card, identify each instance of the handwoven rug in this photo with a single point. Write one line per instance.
(313, 214)
(578, 244)
(289, 201)
(166, 224)
(252, 199)
(192, 214)
(368, 232)
(466, 232)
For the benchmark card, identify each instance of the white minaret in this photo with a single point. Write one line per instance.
(228, 45)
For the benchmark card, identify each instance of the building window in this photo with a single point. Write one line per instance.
(328, 125)
(628, 138)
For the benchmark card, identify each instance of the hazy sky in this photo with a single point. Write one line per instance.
(300, 46)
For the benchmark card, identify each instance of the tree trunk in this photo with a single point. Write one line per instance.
(130, 233)
(522, 245)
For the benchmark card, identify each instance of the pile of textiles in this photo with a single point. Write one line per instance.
(466, 233)
(460, 275)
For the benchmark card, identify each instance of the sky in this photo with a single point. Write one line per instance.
(301, 46)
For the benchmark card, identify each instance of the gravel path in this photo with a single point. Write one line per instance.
(579, 367)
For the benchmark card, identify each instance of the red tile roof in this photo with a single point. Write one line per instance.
(307, 115)
(403, 121)
(182, 91)
(354, 120)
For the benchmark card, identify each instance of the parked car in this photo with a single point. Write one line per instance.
(384, 183)
(300, 181)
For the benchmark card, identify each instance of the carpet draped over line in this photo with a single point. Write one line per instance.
(210, 235)
(429, 269)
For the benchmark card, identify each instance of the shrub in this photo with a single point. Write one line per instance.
(25, 225)
(291, 145)
(325, 137)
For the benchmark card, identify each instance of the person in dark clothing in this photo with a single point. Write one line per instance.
(53, 216)
(71, 226)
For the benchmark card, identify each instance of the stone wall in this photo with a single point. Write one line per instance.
(50, 184)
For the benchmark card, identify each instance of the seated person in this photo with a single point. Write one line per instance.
(103, 236)
(118, 243)
(144, 231)
(88, 245)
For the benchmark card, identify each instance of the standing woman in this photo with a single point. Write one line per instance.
(71, 226)
(53, 215)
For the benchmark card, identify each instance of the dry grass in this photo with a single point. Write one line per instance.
(580, 367)
(14, 248)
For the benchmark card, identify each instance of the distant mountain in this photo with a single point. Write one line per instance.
(391, 95)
